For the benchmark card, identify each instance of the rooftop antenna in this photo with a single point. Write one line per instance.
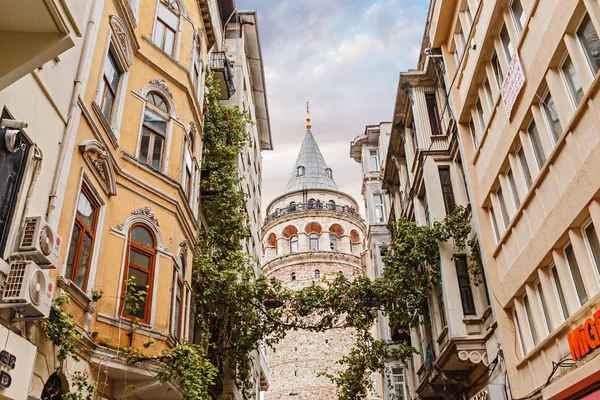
(308, 125)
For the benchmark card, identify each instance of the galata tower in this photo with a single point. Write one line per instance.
(311, 231)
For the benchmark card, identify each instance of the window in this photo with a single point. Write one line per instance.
(590, 42)
(560, 295)
(473, 134)
(373, 160)
(328, 172)
(300, 170)
(576, 275)
(530, 321)
(572, 81)
(497, 68)
(593, 244)
(154, 130)
(167, 24)
(379, 211)
(480, 115)
(399, 384)
(178, 305)
(518, 331)
(524, 168)
(488, 93)
(464, 284)
(293, 276)
(441, 307)
(109, 86)
(519, 18)
(415, 143)
(536, 145)
(513, 187)
(187, 170)
(198, 72)
(494, 224)
(432, 112)
(552, 117)
(447, 190)
(317, 274)
(333, 241)
(314, 241)
(140, 269)
(503, 210)
(509, 50)
(82, 239)
(544, 307)
(293, 244)
(12, 168)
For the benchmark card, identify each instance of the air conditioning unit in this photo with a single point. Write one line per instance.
(39, 242)
(28, 290)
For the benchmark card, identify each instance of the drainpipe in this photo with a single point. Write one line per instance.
(73, 117)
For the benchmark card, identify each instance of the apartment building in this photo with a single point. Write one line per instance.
(370, 150)
(457, 342)
(523, 78)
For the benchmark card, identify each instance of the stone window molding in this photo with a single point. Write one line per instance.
(101, 165)
(159, 85)
(144, 215)
(124, 48)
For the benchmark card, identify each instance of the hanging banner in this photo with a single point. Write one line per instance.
(512, 84)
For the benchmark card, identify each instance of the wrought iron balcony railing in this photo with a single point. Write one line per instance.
(313, 206)
(220, 65)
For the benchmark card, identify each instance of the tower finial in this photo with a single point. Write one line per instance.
(308, 125)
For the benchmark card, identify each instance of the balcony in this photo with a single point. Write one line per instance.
(221, 67)
(313, 206)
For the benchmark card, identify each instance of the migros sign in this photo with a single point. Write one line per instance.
(585, 338)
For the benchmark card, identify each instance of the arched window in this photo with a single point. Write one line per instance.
(178, 305)
(329, 172)
(154, 131)
(314, 241)
(293, 276)
(293, 244)
(140, 270)
(310, 201)
(317, 274)
(333, 241)
(300, 170)
(167, 25)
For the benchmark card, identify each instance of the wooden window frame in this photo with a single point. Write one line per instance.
(447, 190)
(153, 132)
(86, 191)
(178, 282)
(110, 58)
(151, 253)
(166, 27)
(461, 286)
(433, 114)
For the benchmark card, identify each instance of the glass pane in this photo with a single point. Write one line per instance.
(84, 258)
(560, 293)
(481, 115)
(497, 70)
(513, 188)
(168, 17)
(144, 145)
(169, 41)
(473, 134)
(536, 144)
(141, 281)
(531, 321)
(85, 210)
(518, 15)
(544, 306)
(157, 152)
(72, 251)
(159, 32)
(589, 40)
(111, 72)
(294, 244)
(143, 236)
(176, 312)
(503, 210)
(594, 244)
(507, 44)
(155, 121)
(314, 241)
(552, 115)
(139, 259)
(576, 274)
(573, 82)
(107, 103)
(525, 168)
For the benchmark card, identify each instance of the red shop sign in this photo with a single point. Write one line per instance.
(585, 338)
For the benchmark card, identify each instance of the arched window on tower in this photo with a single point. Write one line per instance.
(293, 244)
(317, 274)
(314, 241)
(300, 170)
(329, 172)
(293, 276)
(333, 241)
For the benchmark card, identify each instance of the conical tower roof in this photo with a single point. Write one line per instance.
(310, 170)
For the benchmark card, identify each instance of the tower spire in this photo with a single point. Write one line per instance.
(308, 125)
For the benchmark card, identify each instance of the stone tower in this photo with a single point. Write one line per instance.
(311, 231)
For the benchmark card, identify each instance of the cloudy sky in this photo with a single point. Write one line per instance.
(344, 57)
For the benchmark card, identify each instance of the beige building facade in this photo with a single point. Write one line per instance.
(312, 231)
(531, 155)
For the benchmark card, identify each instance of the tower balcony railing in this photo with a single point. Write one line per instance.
(293, 208)
(221, 66)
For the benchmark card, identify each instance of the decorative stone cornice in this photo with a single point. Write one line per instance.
(343, 259)
(145, 211)
(163, 85)
(96, 156)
